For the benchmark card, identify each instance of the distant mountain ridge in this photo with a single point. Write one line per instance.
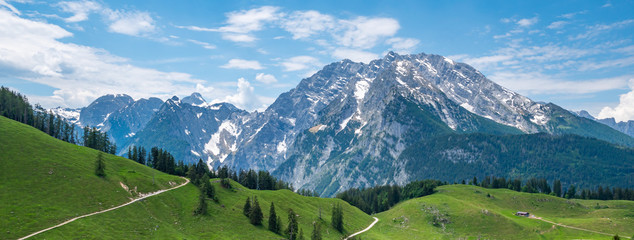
(345, 126)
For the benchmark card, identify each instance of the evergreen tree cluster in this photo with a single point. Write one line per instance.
(381, 198)
(253, 211)
(337, 218)
(95, 139)
(16, 106)
(259, 180)
(307, 193)
(541, 185)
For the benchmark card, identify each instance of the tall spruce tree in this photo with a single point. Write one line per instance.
(246, 210)
(292, 228)
(201, 209)
(100, 166)
(557, 188)
(337, 217)
(273, 225)
(316, 235)
(256, 213)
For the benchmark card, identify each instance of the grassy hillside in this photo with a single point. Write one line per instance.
(44, 181)
(463, 211)
(169, 216)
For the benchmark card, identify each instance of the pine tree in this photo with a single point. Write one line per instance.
(316, 231)
(201, 209)
(337, 218)
(557, 188)
(572, 192)
(301, 234)
(247, 207)
(292, 228)
(100, 166)
(273, 225)
(208, 189)
(256, 213)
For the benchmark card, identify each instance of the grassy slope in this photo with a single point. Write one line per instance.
(169, 216)
(472, 214)
(44, 181)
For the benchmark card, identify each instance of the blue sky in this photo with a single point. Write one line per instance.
(578, 54)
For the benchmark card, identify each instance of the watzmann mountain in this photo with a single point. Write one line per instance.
(394, 120)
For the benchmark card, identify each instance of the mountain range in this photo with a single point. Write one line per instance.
(391, 121)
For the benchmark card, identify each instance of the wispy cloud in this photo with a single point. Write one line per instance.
(243, 64)
(527, 22)
(133, 23)
(265, 78)
(557, 24)
(598, 29)
(203, 44)
(300, 63)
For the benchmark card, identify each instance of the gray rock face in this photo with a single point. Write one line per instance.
(99, 110)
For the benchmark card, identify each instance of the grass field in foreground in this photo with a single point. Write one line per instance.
(169, 216)
(44, 181)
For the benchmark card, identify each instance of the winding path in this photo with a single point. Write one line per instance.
(107, 210)
(571, 227)
(364, 230)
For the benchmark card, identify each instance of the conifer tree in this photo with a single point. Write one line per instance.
(256, 213)
(292, 228)
(100, 166)
(557, 188)
(337, 218)
(301, 234)
(273, 225)
(208, 190)
(201, 209)
(316, 235)
(246, 210)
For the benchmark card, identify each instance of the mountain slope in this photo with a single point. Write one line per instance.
(170, 216)
(463, 211)
(581, 161)
(183, 129)
(46, 181)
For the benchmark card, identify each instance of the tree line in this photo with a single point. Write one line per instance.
(16, 106)
(541, 185)
(381, 198)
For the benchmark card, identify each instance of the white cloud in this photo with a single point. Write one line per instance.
(527, 22)
(303, 24)
(238, 37)
(203, 44)
(134, 23)
(240, 24)
(245, 98)
(243, 64)
(608, 4)
(79, 9)
(31, 51)
(354, 55)
(300, 63)
(624, 111)
(265, 78)
(557, 25)
(402, 45)
(364, 33)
